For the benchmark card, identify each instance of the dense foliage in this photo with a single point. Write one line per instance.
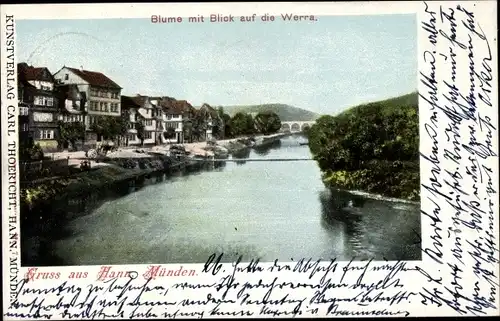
(242, 124)
(141, 134)
(267, 122)
(70, 133)
(373, 147)
(110, 127)
(30, 152)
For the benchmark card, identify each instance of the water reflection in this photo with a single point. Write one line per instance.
(241, 154)
(266, 149)
(372, 229)
(269, 210)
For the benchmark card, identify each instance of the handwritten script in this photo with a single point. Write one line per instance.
(459, 160)
(227, 290)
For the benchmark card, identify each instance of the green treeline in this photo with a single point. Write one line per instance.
(265, 122)
(372, 147)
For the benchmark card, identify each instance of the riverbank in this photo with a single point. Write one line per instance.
(127, 164)
(399, 180)
(178, 218)
(238, 144)
(106, 174)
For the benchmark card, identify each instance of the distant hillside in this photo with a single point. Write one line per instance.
(285, 112)
(389, 106)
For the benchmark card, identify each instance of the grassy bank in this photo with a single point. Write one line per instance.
(52, 189)
(115, 171)
(372, 148)
(395, 179)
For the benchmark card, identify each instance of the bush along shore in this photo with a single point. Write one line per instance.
(372, 148)
(238, 145)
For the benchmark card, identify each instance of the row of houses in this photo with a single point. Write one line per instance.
(78, 95)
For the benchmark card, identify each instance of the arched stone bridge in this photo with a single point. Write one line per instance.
(296, 126)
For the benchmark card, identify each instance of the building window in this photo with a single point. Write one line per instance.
(149, 122)
(44, 101)
(23, 111)
(66, 77)
(131, 137)
(46, 134)
(93, 92)
(114, 107)
(172, 125)
(38, 100)
(148, 135)
(25, 127)
(103, 94)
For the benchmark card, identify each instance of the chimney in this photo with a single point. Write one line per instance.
(81, 68)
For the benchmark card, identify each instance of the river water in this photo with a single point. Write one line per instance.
(266, 210)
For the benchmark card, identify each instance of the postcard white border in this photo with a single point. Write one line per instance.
(412, 280)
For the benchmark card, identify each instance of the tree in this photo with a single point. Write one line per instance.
(219, 129)
(220, 112)
(199, 126)
(70, 133)
(187, 129)
(267, 122)
(141, 134)
(242, 124)
(372, 147)
(110, 127)
(227, 125)
(29, 151)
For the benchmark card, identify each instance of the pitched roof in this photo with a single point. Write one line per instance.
(169, 106)
(206, 108)
(129, 102)
(140, 100)
(184, 107)
(95, 78)
(27, 72)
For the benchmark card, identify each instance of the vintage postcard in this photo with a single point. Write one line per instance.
(249, 160)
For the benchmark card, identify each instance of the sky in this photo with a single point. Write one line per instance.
(323, 66)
